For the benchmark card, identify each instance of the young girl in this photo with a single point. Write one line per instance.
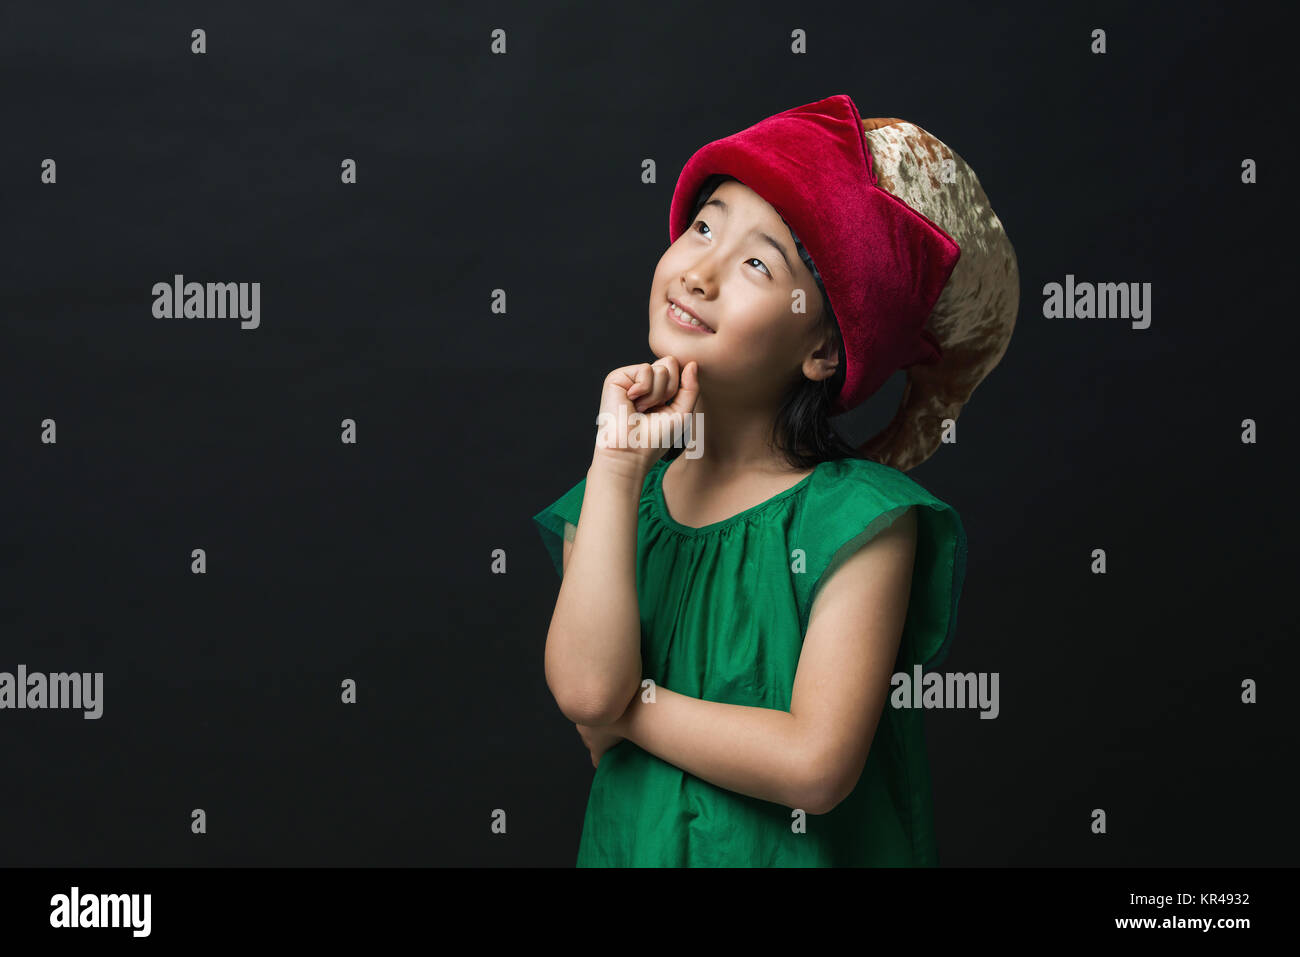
(729, 620)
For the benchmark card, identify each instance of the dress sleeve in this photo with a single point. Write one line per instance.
(861, 511)
(558, 522)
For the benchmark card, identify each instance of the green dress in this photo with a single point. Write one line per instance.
(724, 609)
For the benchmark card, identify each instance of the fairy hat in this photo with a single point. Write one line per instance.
(918, 270)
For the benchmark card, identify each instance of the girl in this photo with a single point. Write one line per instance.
(728, 623)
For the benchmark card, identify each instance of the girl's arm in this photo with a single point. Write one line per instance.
(811, 756)
(593, 646)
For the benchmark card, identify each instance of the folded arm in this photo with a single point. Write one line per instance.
(593, 646)
(811, 756)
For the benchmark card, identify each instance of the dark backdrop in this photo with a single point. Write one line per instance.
(522, 172)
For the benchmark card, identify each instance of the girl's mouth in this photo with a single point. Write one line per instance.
(682, 320)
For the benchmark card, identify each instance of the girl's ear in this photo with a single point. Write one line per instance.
(823, 361)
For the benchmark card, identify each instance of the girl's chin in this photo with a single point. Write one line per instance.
(681, 344)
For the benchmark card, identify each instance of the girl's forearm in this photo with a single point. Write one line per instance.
(593, 646)
(760, 752)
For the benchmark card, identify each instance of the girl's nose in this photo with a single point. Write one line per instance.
(698, 279)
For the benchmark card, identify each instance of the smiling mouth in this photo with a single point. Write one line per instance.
(683, 318)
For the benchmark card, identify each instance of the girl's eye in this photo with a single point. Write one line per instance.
(754, 259)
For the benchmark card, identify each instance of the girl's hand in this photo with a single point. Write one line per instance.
(665, 394)
(599, 739)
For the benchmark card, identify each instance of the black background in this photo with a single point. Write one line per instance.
(522, 172)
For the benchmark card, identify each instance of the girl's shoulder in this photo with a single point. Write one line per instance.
(864, 482)
(853, 500)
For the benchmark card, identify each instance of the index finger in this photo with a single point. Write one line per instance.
(688, 391)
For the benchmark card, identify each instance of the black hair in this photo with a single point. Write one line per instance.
(802, 432)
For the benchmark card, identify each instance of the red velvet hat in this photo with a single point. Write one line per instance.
(883, 264)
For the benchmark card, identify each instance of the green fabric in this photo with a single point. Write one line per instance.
(724, 609)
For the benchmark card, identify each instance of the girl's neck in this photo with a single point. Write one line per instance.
(734, 443)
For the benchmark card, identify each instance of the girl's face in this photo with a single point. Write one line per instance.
(737, 269)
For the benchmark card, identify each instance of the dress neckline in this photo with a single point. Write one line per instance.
(661, 504)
